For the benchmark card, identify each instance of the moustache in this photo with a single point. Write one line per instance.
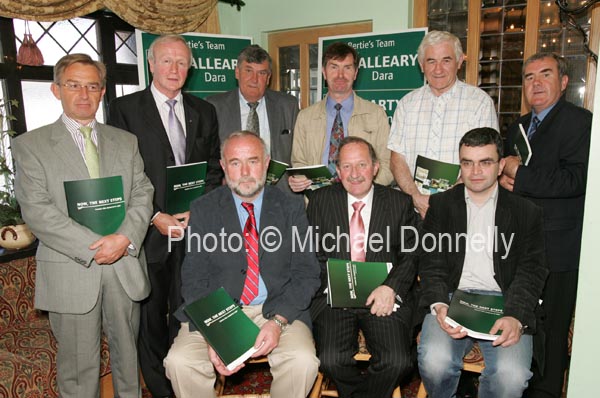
(355, 179)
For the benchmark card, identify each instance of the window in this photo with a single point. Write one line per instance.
(102, 35)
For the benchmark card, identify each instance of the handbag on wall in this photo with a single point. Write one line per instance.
(29, 53)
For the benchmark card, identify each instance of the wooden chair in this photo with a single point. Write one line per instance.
(472, 362)
(322, 386)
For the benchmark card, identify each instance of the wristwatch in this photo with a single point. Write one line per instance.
(282, 325)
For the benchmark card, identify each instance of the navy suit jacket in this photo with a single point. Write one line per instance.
(290, 273)
(520, 271)
(392, 210)
(555, 178)
(138, 114)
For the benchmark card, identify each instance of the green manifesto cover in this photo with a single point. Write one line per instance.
(96, 203)
(275, 171)
(433, 176)
(224, 326)
(477, 313)
(319, 174)
(349, 283)
(185, 183)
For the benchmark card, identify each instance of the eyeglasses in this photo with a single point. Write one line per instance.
(484, 164)
(92, 87)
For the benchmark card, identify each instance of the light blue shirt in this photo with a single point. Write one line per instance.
(540, 115)
(345, 112)
(243, 216)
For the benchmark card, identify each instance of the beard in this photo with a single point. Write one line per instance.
(251, 186)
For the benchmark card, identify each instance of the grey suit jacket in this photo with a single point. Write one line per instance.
(67, 279)
(282, 110)
(290, 272)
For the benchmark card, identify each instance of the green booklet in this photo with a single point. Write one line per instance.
(476, 313)
(275, 171)
(185, 183)
(319, 174)
(522, 147)
(433, 176)
(96, 203)
(349, 283)
(224, 326)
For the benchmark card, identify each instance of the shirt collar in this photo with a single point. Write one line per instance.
(160, 98)
(543, 113)
(367, 200)
(493, 197)
(74, 124)
(347, 104)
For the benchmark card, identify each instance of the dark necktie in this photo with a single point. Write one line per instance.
(251, 243)
(535, 122)
(357, 233)
(337, 134)
(252, 122)
(176, 134)
(91, 152)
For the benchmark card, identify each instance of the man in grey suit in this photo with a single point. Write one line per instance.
(276, 111)
(85, 281)
(272, 276)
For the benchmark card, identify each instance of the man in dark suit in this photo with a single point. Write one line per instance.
(483, 239)
(284, 276)
(555, 179)
(172, 128)
(386, 320)
(276, 111)
(86, 282)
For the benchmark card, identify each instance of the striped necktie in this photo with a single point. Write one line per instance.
(535, 122)
(91, 152)
(251, 243)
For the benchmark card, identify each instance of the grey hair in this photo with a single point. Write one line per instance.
(436, 37)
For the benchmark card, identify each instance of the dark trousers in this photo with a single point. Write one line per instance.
(559, 297)
(388, 339)
(158, 326)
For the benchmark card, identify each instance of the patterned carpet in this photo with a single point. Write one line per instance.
(256, 379)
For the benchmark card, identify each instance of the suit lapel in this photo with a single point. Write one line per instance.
(152, 117)
(192, 121)
(502, 223)
(458, 216)
(271, 215)
(65, 149)
(107, 150)
(379, 215)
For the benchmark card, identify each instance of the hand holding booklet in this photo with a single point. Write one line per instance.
(475, 313)
(349, 283)
(319, 175)
(225, 327)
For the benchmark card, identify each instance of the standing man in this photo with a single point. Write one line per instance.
(321, 127)
(253, 107)
(489, 241)
(431, 120)
(173, 128)
(274, 281)
(87, 282)
(555, 179)
(382, 212)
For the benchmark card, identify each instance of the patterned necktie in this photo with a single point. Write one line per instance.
(176, 134)
(251, 243)
(337, 134)
(535, 122)
(91, 152)
(252, 122)
(357, 233)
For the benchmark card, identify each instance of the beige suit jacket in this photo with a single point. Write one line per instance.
(67, 279)
(367, 121)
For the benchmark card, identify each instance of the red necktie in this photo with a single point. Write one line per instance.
(251, 243)
(357, 233)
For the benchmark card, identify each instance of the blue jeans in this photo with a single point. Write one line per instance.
(440, 357)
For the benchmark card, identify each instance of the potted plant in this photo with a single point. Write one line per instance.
(14, 233)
